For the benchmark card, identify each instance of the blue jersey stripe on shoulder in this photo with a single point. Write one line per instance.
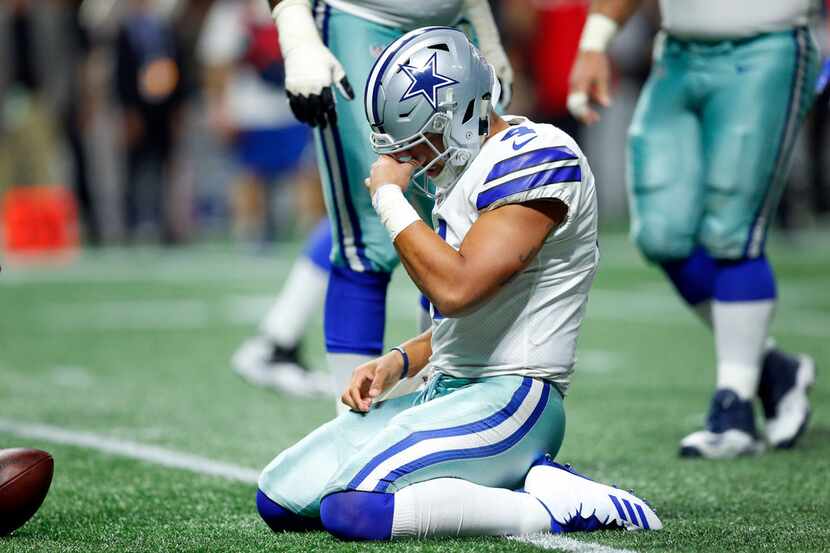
(528, 160)
(522, 184)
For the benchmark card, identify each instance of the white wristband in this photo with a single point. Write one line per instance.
(394, 210)
(295, 24)
(598, 31)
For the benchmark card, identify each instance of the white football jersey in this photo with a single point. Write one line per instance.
(733, 19)
(530, 325)
(403, 15)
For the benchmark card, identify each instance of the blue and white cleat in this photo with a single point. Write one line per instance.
(785, 382)
(730, 430)
(576, 503)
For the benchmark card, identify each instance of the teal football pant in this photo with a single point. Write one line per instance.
(488, 431)
(344, 153)
(710, 142)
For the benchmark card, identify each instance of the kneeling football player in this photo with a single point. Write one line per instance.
(507, 274)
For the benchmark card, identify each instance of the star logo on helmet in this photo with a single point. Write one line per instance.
(425, 81)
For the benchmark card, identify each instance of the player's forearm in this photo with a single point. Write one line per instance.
(438, 270)
(419, 350)
(618, 10)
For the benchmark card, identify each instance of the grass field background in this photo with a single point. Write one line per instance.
(134, 345)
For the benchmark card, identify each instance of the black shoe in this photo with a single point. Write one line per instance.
(730, 430)
(785, 381)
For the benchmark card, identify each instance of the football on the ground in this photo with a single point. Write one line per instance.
(25, 476)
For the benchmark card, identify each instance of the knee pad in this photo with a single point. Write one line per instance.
(354, 515)
(355, 313)
(729, 241)
(280, 519)
(659, 240)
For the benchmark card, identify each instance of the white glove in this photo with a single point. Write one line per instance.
(310, 68)
(479, 14)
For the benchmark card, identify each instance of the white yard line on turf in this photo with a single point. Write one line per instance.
(561, 543)
(133, 450)
(203, 465)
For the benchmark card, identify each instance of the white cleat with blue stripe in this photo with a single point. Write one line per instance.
(578, 504)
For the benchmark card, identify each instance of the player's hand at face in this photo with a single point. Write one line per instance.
(388, 170)
(371, 379)
(590, 82)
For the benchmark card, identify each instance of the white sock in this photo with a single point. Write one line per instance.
(299, 300)
(455, 507)
(741, 330)
(341, 366)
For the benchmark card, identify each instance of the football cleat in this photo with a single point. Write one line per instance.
(785, 382)
(576, 503)
(730, 430)
(262, 363)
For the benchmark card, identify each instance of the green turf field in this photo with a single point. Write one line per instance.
(133, 346)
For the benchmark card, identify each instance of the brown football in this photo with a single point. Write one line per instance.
(25, 476)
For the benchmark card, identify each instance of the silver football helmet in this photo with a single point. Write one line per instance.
(431, 80)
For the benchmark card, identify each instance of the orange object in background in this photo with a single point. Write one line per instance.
(40, 223)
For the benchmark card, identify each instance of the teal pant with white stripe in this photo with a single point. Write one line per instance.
(711, 139)
(487, 431)
(344, 153)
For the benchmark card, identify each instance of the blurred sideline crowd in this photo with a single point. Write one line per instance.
(167, 119)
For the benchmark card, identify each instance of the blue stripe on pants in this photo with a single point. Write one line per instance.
(469, 453)
(479, 426)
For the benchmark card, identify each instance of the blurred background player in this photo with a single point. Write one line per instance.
(76, 115)
(247, 106)
(708, 152)
(244, 77)
(272, 358)
(151, 91)
(27, 121)
(327, 47)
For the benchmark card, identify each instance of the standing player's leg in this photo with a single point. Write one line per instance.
(664, 186)
(745, 173)
(271, 359)
(665, 183)
(362, 254)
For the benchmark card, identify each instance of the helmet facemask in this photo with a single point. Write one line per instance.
(456, 156)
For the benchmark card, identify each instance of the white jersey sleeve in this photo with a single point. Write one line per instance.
(535, 162)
